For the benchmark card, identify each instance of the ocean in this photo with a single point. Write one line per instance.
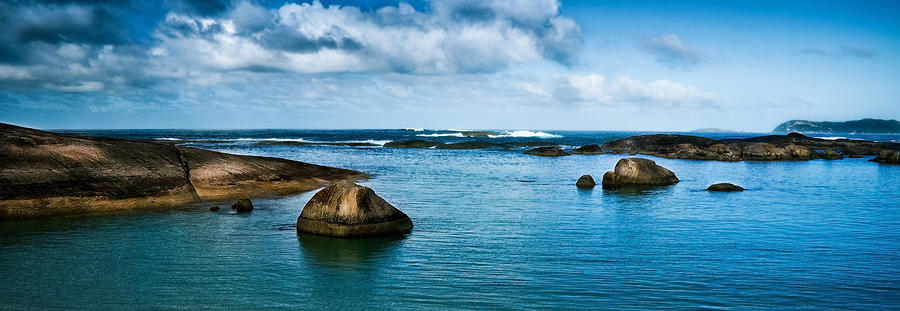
(494, 229)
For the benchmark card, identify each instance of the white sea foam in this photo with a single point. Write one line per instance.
(442, 135)
(832, 137)
(413, 129)
(169, 138)
(537, 134)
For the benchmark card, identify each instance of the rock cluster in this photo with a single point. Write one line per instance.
(790, 147)
(346, 209)
(637, 172)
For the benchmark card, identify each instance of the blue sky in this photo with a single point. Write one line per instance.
(506, 64)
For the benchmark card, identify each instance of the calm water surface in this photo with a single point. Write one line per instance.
(494, 229)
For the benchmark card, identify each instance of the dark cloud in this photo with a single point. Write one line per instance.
(844, 51)
(98, 26)
(287, 39)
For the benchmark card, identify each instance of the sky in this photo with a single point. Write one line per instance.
(504, 64)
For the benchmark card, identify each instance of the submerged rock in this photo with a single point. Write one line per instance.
(415, 143)
(638, 172)
(585, 182)
(588, 149)
(476, 144)
(547, 152)
(242, 205)
(214, 208)
(725, 187)
(346, 209)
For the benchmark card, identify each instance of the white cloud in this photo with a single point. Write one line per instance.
(597, 89)
(314, 38)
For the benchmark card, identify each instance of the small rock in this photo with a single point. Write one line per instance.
(588, 149)
(585, 182)
(725, 187)
(547, 152)
(214, 208)
(242, 205)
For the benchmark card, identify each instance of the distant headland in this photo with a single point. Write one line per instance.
(871, 126)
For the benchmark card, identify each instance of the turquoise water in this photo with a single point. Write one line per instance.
(495, 229)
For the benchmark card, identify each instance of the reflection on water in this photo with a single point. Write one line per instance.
(349, 254)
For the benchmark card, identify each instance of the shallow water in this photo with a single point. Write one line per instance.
(495, 229)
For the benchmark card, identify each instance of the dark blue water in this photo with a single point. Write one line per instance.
(495, 229)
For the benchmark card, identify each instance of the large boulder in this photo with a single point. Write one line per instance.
(346, 209)
(588, 149)
(725, 187)
(585, 182)
(547, 152)
(638, 172)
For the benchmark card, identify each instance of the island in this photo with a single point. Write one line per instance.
(871, 126)
(44, 173)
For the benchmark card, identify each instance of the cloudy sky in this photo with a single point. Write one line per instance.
(505, 64)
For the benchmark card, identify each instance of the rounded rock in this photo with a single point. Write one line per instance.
(346, 209)
(725, 187)
(585, 182)
(242, 205)
(638, 172)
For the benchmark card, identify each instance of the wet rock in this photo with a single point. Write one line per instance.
(638, 172)
(214, 208)
(725, 187)
(242, 205)
(547, 152)
(588, 150)
(832, 155)
(585, 182)
(346, 209)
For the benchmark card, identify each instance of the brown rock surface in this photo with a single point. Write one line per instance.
(44, 173)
